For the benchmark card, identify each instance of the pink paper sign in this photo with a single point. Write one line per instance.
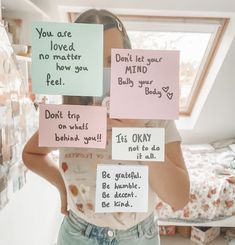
(144, 84)
(72, 126)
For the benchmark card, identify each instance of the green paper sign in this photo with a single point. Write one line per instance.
(67, 58)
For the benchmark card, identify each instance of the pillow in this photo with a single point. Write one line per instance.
(223, 143)
(232, 147)
(200, 148)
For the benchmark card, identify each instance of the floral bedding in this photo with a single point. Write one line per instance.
(212, 194)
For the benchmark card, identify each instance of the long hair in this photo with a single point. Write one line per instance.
(109, 21)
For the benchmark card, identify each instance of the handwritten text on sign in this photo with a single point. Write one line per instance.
(72, 126)
(63, 60)
(121, 188)
(142, 144)
(148, 82)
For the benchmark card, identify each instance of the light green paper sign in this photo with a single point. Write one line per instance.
(67, 58)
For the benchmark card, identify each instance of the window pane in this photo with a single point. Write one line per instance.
(192, 48)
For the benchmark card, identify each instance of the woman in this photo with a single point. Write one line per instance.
(76, 175)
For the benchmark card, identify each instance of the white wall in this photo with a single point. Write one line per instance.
(217, 118)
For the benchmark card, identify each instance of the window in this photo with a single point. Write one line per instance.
(196, 38)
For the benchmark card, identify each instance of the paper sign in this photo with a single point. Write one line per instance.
(67, 58)
(72, 126)
(121, 188)
(144, 84)
(142, 144)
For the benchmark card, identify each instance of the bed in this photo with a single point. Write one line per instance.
(212, 193)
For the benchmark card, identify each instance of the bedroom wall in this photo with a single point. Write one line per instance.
(217, 118)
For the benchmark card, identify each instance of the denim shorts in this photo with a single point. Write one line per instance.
(76, 231)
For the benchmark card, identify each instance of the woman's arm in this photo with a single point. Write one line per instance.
(36, 159)
(169, 179)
